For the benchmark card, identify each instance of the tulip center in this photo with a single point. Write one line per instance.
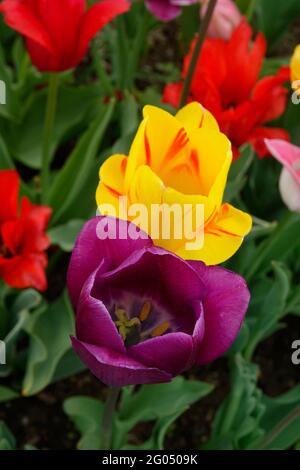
(144, 325)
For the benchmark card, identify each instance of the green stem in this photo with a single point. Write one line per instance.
(108, 417)
(261, 222)
(199, 43)
(48, 131)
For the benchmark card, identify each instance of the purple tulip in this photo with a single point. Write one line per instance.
(167, 10)
(144, 315)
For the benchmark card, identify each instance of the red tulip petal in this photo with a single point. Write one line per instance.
(97, 17)
(270, 95)
(258, 136)
(12, 233)
(25, 271)
(35, 220)
(20, 17)
(172, 94)
(62, 20)
(9, 191)
(244, 62)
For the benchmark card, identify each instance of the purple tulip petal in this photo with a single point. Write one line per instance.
(224, 309)
(171, 352)
(165, 278)
(114, 369)
(94, 324)
(91, 252)
(199, 331)
(163, 9)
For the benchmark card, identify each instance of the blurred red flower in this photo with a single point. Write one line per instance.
(226, 82)
(23, 240)
(58, 32)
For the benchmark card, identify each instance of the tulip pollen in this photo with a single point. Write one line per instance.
(161, 329)
(145, 311)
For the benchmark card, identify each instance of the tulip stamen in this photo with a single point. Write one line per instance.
(145, 311)
(124, 324)
(160, 329)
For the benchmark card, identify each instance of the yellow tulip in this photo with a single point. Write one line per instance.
(182, 160)
(295, 67)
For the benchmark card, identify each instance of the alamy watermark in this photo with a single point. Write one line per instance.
(296, 94)
(182, 222)
(2, 92)
(296, 354)
(2, 353)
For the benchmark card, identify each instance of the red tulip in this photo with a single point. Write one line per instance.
(23, 240)
(58, 32)
(226, 82)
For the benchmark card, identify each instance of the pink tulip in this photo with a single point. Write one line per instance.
(225, 19)
(289, 184)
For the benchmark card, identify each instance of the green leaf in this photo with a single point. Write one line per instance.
(237, 175)
(25, 139)
(129, 120)
(6, 161)
(277, 247)
(13, 321)
(7, 439)
(274, 18)
(71, 181)
(281, 421)
(6, 394)
(49, 331)
(189, 23)
(65, 235)
(162, 402)
(268, 305)
(86, 414)
(237, 422)
(129, 114)
(291, 122)
(272, 65)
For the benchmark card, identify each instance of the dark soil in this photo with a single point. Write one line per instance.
(277, 372)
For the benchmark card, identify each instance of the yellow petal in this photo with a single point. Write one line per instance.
(146, 187)
(217, 190)
(212, 153)
(194, 212)
(222, 238)
(166, 140)
(145, 191)
(108, 202)
(194, 115)
(137, 155)
(172, 196)
(295, 64)
(112, 172)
